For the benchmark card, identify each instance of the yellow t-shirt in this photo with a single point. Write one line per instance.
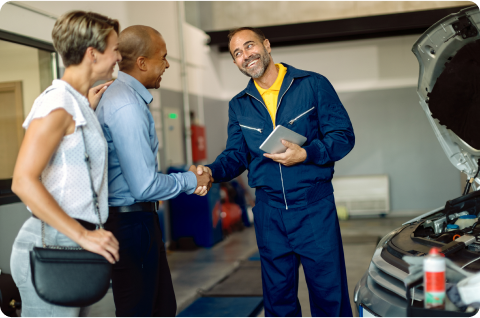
(270, 96)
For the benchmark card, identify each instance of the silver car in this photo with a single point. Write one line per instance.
(449, 89)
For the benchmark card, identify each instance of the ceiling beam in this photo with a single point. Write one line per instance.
(345, 29)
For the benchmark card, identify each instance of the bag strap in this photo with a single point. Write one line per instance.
(94, 197)
(94, 194)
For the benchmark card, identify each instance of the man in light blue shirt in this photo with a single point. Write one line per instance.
(141, 280)
(132, 147)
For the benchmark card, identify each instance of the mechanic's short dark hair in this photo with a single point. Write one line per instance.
(258, 32)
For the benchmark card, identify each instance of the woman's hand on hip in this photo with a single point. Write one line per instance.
(101, 242)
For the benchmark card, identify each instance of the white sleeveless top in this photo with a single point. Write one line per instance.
(66, 176)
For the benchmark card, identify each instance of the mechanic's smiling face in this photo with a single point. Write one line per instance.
(251, 56)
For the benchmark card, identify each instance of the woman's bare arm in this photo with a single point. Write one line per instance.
(42, 138)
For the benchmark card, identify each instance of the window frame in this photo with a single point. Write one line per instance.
(6, 194)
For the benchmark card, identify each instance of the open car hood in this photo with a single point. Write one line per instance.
(449, 86)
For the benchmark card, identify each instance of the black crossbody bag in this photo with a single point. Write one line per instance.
(70, 276)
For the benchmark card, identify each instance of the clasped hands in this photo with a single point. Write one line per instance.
(204, 179)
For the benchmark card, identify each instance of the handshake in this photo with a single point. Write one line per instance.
(204, 179)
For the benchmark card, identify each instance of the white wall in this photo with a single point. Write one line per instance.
(27, 23)
(32, 24)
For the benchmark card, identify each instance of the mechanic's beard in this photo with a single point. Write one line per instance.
(261, 68)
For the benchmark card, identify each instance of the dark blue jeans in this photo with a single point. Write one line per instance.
(141, 281)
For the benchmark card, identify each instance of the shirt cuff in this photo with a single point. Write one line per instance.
(213, 169)
(314, 154)
(310, 153)
(191, 182)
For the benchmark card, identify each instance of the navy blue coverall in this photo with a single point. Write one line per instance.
(295, 214)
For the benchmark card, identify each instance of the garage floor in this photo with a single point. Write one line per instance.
(195, 272)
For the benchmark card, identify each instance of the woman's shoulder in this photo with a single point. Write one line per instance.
(54, 97)
(57, 95)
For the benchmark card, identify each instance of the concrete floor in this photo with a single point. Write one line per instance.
(195, 271)
(200, 270)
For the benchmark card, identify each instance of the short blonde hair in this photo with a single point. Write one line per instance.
(76, 31)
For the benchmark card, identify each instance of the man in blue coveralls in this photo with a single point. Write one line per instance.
(295, 214)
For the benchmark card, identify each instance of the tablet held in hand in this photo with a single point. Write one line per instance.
(273, 143)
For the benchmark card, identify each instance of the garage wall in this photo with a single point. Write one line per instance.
(393, 137)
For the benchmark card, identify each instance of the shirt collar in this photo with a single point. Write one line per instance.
(278, 82)
(136, 85)
(292, 73)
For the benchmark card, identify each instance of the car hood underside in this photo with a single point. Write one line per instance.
(449, 85)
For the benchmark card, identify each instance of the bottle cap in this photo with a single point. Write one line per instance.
(452, 226)
(435, 251)
(467, 217)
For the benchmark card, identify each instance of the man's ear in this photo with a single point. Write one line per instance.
(141, 63)
(266, 44)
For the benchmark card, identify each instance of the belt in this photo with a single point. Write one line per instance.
(136, 207)
(89, 226)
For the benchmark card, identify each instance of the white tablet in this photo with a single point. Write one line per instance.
(273, 143)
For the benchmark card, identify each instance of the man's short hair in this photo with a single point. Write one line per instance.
(135, 41)
(76, 31)
(258, 32)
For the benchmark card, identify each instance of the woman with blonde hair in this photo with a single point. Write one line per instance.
(51, 176)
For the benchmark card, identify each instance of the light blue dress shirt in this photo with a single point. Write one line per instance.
(132, 147)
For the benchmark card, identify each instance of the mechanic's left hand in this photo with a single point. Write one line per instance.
(294, 154)
(95, 93)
